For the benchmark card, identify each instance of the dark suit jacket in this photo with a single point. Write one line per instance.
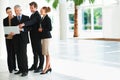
(6, 23)
(34, 23)
(23, 34)
(47, 27)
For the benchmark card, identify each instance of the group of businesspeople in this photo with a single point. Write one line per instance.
(39, 29)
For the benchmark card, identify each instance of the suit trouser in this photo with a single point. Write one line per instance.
(11, 59)
(21, 50)
(37, 53)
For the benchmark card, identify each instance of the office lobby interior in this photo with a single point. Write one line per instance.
(93, 55)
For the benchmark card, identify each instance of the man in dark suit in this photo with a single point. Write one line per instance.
(11, 60)
(20, 41)
(35, 21)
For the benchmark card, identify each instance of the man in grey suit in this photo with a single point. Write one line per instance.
(20, 41)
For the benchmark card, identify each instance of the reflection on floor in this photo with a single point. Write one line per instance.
(75, 59)
(33, 76)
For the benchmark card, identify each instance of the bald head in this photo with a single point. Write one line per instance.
(18, 10)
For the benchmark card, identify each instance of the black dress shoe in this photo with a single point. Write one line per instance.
(32, 68)
(24, 74)
(15, 70)
(11, 71)
(18, 72)
(38, 70)
(49, 70)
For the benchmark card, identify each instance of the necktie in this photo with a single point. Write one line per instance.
(19, 18)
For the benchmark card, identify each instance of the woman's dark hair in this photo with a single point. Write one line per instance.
(33, 4)
(8, 8)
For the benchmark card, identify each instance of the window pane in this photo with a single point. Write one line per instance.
(71, 20)
(87, 19)
(97, 18)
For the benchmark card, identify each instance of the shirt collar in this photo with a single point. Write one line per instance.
(20, 16)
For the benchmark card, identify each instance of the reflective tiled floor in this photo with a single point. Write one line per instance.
(75, 59)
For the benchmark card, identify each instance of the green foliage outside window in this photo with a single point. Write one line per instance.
(98, 19)
(97, 13)
(87, 19)
(71, 18)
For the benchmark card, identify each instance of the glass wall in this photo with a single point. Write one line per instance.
(97, 18)
(71, 21)
(86, 19)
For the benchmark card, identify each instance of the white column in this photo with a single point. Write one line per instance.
(111, 24)
(4, 4)
(63, 19)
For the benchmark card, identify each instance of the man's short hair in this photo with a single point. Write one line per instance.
(17, 6)
(33, 4)
(8, 8)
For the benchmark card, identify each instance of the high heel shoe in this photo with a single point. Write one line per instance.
(49, 70)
